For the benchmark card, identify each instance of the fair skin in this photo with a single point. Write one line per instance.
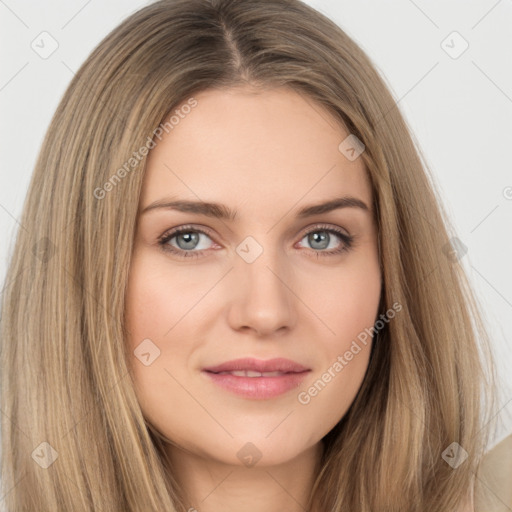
(266, 154)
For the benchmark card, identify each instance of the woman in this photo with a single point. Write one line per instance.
(236, 288)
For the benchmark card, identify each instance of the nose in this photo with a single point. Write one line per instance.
(261, 297)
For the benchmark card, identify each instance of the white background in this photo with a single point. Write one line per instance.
(459, 109)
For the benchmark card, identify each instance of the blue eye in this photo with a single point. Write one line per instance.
(322, 237)
(187, 238)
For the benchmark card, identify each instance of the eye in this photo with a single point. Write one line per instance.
(320, 237)
(187, 241)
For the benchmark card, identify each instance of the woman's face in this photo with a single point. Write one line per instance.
(266, 283)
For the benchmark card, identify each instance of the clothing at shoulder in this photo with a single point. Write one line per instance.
(493, 489)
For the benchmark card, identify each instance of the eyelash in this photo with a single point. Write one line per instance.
(347, 241)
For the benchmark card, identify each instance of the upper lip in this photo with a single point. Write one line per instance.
(248, 363)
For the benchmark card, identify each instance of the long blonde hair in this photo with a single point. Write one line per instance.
(73, 435)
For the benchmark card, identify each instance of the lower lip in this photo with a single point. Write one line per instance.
(259, 388)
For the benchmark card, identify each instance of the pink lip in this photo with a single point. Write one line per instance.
(248, 363)
(259, 388)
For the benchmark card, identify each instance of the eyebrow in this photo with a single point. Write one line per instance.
(220, 211)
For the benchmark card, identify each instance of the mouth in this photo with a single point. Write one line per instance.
(254, 385)
(258, 367)
(252, 373)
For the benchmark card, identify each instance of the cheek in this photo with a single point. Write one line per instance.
(346, 300)
(154, 305)
(326, 397)
(157, 298)
(347, 341)
(152, 309)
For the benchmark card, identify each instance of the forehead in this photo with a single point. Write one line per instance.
(257, 150)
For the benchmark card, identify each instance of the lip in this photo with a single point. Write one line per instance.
(258, 365)
(258, 388)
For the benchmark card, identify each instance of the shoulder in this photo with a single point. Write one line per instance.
(492, 485)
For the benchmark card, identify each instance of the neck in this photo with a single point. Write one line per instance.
(210, 485)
